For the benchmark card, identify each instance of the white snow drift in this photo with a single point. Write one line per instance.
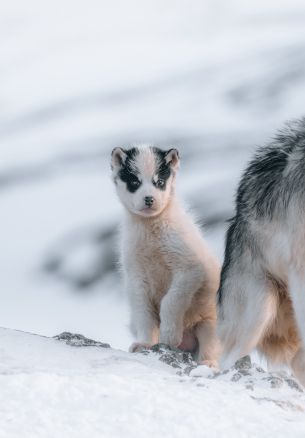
(51, 389)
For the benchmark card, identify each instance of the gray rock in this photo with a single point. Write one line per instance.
(236, 377)
(293, 384)
(275, 382)
(244, 372)
(77, 340)
(283, 404)
(243, 364)
(173, 357)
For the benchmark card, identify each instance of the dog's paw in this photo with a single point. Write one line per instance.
(171, 336)
(210, 363)
(137, 347)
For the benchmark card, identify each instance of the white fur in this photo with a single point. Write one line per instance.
(259, 315)
(171, 276)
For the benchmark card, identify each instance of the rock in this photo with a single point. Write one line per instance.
(244, 372)
(173, 357)
(293, 384)
(243, 364)
(236, 377)
(275, 382)
(77, 340)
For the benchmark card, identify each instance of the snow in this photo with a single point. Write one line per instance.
(51, 389)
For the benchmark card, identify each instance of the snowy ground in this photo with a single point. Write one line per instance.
(215, 78)
(51, 389)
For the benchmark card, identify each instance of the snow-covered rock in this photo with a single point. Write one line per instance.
(75, 387)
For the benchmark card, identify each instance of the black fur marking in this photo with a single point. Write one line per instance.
(267, 167)
(128, 174)
(227, 259)
(163, 169)
(267, 186)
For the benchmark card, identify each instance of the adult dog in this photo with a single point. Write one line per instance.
(261, 299)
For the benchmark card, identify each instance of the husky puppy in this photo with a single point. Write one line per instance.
(261, 299)
(171, 277)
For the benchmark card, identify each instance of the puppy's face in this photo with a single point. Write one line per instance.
(144, 178)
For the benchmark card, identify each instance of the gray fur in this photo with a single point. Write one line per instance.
(261, 299)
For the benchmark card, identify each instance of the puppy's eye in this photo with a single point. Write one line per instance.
(135, 183)
(160, 183)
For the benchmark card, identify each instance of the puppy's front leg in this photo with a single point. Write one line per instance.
(175, 304)
(144, 324)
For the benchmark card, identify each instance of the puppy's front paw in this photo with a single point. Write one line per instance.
(171, 335)
(137, 347)
(210, 363)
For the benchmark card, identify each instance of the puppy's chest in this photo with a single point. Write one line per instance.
(152, 259)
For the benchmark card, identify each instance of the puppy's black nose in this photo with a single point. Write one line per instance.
(149, 200)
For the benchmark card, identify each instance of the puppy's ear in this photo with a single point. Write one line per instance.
(118, 158)
(172, 158)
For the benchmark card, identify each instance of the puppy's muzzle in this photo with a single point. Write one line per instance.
(149, 200)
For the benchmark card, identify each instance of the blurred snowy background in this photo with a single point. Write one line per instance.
(214, 78)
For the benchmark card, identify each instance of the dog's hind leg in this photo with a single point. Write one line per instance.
(209, 348)
(297, 295)
(298, 365)
(296, 285)
(247, 308)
